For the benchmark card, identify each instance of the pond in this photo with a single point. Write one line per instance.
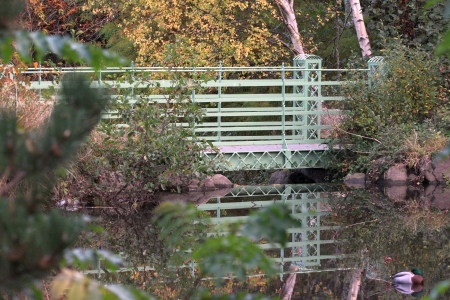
(348, 243)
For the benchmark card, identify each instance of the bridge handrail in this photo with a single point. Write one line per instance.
(179, 69)
(297, 98)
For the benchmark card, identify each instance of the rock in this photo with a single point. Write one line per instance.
(396, 192)
(221, 182)
(215, 182)
(298, 176)
(316, 175)
(356, 180)
(396, 174)
(280, 177)
(427, 196)
(441, 198)
(206, 184)
(427, 170)
(442, 169)
(196, 198)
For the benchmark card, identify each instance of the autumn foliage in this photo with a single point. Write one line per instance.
(60, 17)
(234, 32)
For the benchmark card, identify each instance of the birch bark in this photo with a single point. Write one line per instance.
(286, 9)
(358, 21)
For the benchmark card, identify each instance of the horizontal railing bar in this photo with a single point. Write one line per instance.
(296, 244)
(262, 113)
(267, 143)
(301, 258)
(256, 123)
(225, 98)
(168, 83)
(213, 130)
(165, 69)
(250, 204)
(241, 218)
(289, 230)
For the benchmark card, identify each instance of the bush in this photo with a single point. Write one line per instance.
(405, 90)
(391, 114)
(144, 151)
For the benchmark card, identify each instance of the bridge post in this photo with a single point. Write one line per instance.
(219, 104)
(287, 153)
(132, 79)
(374, 64)
(310, 71)
(283, 107)
(39, 81)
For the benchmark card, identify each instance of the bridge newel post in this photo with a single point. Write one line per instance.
(132, 79)
(219, 104)
(310, 71)
(283, 106)
(99, 80)
(374, 66)
(39, 80)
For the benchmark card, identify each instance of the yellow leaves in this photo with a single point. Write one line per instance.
(228, 30)
(72, 284)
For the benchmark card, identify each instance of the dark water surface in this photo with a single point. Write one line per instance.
(350, 241)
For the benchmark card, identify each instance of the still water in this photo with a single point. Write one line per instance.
(350, 241)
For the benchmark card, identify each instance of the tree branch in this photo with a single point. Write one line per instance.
(12, 183)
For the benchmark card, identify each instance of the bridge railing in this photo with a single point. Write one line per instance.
(243, 105)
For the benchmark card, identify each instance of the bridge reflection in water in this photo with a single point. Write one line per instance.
(308, 204)
(312, 245)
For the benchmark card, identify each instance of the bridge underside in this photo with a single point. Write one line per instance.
(263, 157)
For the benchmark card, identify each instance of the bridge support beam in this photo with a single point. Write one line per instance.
(258, 157)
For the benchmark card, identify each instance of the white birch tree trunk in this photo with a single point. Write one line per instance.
(358, 21)
(286, 9)
(355, 285)
(289, 284)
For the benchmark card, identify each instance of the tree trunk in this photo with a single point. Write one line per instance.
(355, 284)
(289, 284)
(286, 9)
(358, 21)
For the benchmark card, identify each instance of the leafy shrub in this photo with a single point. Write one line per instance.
(407, 20)
(146, 150)
(392, 113)
(404, 90)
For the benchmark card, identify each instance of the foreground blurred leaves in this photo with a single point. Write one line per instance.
(75, 285)
(224, 255)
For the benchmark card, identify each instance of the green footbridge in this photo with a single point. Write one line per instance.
(257, 117)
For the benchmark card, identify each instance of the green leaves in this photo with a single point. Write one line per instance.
(431, 3)
(277, 216)
(25, 42)
(438, 290)
(83, 258)
(182, 227)
(32, 244)
(157, 153)
(237, 255)
(219, 256)
(231, 256)
(444, 46)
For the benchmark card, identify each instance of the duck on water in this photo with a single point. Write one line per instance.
(408, 282)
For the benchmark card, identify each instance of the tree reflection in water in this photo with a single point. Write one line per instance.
(377, 237)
